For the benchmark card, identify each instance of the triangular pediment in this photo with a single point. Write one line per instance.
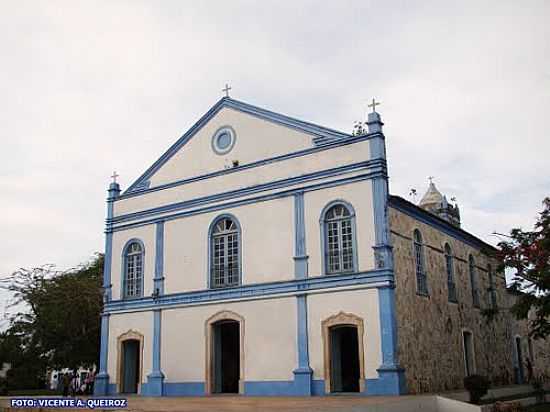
(231, 133)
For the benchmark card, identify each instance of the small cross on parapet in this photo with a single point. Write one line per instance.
(226, 90)
(374, 104)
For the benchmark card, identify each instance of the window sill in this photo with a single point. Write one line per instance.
(423, 294)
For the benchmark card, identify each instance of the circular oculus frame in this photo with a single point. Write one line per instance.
(223, 140)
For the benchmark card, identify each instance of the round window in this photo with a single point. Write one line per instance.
(223, 140)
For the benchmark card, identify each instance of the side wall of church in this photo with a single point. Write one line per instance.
(430, 340)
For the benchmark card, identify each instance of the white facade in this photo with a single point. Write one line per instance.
(171, 330)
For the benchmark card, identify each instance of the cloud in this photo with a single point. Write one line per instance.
(88, 87)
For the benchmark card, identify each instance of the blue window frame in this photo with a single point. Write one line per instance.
(224, 250)
(133, 269)
(338, 234)
(420, 264)
(473, 281)
(449, 265)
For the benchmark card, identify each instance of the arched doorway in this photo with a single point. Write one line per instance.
(130, 366)
(224, 351)
(344, 359)
(343, 353)
(130, 362)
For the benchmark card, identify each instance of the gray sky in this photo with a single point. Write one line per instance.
(89, 87)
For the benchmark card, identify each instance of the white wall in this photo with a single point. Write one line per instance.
(336, 157)
(267, 240)
(362, 303)
(256, 139)
(359, 195)
(141, 322)
(147, 235)
(269, 340)
(267, 245)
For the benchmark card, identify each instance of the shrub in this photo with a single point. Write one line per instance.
(477, 386)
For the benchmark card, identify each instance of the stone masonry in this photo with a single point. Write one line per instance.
(430, 340)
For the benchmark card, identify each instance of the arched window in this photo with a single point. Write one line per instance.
(225, 253)
(450, 273)
(339, 239)
(492, 288)
(473, 281)
(421, 278)
(133, 270)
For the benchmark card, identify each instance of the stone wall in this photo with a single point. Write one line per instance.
(430, 328)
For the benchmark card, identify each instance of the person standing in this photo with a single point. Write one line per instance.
(65, 382)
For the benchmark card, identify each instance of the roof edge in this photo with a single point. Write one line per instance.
(426, 217)
(311, 128)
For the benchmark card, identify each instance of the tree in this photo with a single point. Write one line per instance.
(528, 254)
(61, 324)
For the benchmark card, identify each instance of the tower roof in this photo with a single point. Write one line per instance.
(432, 197)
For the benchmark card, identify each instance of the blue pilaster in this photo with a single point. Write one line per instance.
(300, 255)
(383, 256)
(113, 193)
(389, 372)
(159, 260)
(155, 380)
(101, 386)
(391, 376)
(302, 374)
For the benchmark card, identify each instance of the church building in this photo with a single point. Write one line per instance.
(264, 255)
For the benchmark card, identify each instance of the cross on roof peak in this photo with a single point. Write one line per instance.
(374, 104)
(226, 90)
(114, 176)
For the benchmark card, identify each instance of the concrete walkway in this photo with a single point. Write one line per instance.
(229, 403)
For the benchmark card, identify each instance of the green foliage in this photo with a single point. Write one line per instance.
(527, 253)
(61, 326)
(477, 386)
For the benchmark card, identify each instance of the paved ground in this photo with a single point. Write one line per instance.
(244, 404)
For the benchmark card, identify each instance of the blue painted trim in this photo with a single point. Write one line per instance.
(146, 189)
(388, 326)
(391, 381)
(247, 201)
(159, 258)
(304, 373)
(246, 191)
(101, 385)
(369, 279)
(209, 247)
(124, 265)
(112, 193)
(111, 388)
(383, 255)
(155, 379)
(184, 388)
(300, 254)
(216, 135)
(277, 118)
(432, 220)
(270, 388)
(324, 241)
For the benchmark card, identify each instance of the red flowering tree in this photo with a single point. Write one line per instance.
(527, 253)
